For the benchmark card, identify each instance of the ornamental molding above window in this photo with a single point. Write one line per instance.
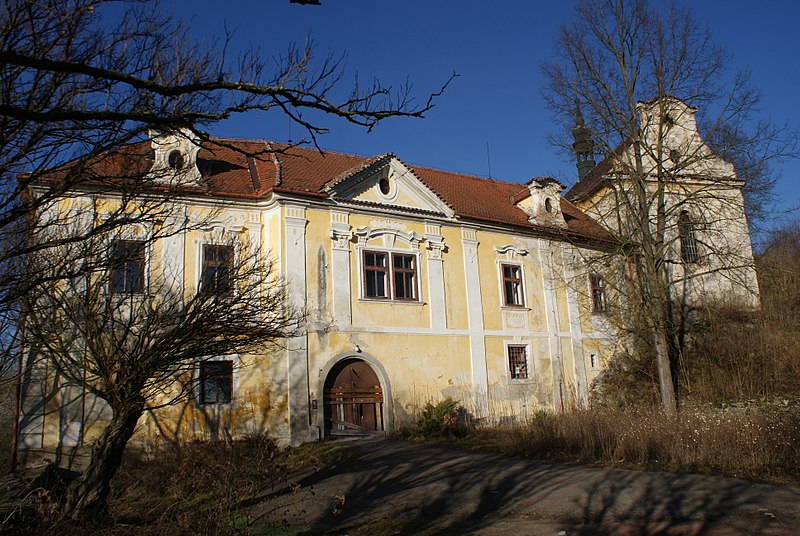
(390, 232)
(510, 252)
(218, 227)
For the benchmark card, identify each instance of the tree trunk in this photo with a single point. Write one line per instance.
(88, 494)
(664, 364)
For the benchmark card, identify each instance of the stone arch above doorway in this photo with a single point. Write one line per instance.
(355, 397)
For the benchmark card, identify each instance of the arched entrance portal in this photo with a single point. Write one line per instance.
(353, 399)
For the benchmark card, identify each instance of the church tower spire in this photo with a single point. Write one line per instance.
(583, 145)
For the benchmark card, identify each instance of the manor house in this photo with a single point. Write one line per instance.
(417, 284)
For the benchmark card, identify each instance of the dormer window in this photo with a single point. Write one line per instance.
(548, 205)
(175, 156)
(175, 159)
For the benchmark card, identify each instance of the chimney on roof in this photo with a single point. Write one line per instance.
(583, 144)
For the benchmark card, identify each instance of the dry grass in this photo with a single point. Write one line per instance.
(198, 488)
(742, 442)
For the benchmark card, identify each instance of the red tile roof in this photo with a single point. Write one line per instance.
(256, 168)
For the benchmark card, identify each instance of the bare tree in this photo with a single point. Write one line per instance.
(81, 80)
(133, 337)
(638, 75)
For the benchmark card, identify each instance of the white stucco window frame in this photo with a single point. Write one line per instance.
(236, 366)
(219, 237)
(512, 256)
(138, 232)
(389, 176)
(508, 343)
(390, 272)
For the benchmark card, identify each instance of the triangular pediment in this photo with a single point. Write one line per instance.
(387, 181)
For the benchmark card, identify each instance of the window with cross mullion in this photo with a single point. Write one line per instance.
(512, 285)
(405, 276)
(216, 269)
(376, 274)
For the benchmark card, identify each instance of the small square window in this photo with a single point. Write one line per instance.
(518, 362)
(127, 266)
(216, 382)
(512, 285)
(215, 274)
(598, 290)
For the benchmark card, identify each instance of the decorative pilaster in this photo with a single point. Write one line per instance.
(436, 301)
(296, 347)
(576, 331)
(341, 234)
(477, 345)
(546, 258)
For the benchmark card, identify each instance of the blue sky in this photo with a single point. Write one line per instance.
(496, 48)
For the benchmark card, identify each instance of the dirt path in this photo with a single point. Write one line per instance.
(393, 487)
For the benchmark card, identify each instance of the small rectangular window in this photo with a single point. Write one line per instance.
(127, 266)
(215, 274)
(216, 382)
(518, 362)
(690, 252)
(512, 285)
(405, 276)
(376, 274)
(598, 290)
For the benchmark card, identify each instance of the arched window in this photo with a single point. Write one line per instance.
(686, 231)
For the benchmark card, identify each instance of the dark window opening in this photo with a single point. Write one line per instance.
(690, 253)
(512, 285)
(598, 289)
(518, 362)
(215, 276)
(216, 382)
(385, 186)
(127, 266)
(175, 159)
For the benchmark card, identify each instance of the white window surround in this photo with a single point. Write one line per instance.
(236, 361)
(512, 256)
(394, 190)
(390, 282)
(146, 246)
(137, 232)
(529, 361)
(501, 286)
(219, 236)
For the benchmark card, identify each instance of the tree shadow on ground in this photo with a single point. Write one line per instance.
(402, 488)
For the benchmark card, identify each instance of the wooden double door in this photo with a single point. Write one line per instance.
(353, 400)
